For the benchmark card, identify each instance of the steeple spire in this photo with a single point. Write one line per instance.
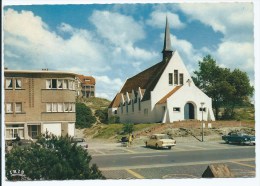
(167, 48)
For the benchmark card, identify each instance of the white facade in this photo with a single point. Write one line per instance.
(166, 94)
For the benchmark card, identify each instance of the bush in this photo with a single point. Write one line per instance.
(84, 116)
(128, 128)
(54, 158)
(102, 115)
(113, 119)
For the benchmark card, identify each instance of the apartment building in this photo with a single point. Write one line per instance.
(39, 101)
(86, 86)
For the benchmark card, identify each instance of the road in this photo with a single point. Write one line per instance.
(183, 161)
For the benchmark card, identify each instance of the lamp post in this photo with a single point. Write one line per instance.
(202, 127)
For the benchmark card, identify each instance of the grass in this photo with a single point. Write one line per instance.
(95, 103)
(116, 130)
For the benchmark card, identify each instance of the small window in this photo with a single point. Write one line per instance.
(18, 107)
(9, 83)
(48, 107)
(54, 83)
(71, 85)
(54, 107)
(181, 79)
(139, 104)
(115, 112)
(133, 106)
(60, 107)
(122, 109)
(170, 78)
(9, 107)
(176, 109)
(126, 107)
(65, 84)
(60, 84)
(146, 112)
(66, 107)
(18, 83)
(204, 109)
(175, 77)
(48, 84)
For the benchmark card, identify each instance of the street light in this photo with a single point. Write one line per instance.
(202, 128)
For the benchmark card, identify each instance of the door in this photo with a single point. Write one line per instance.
(189, 111)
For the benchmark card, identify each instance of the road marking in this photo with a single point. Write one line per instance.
(135, 174)
(148, 156)
(246, 165)
(175, 164)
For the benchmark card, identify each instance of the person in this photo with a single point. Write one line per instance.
(130, 139)
(17, 139)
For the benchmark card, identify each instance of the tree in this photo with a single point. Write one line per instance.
(226, 88)
(102, 115)
(52, 158)
(84, 116)
(128, 128)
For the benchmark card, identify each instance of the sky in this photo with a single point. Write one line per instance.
(113, 42)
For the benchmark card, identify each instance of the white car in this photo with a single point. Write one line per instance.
(80, 142)
(160, 141)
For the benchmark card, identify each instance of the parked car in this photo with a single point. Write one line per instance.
(241, 138)
(80, 142)
(160, 141)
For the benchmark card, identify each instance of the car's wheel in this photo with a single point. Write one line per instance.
(227, 141)
(156, 146)
(146, 144)
(169, 147)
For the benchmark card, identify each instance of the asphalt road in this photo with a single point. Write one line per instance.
(184, 161)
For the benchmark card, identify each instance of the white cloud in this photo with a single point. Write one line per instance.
(117, 28)
(158, 20)
(28, 36)
(108, 86)
(234, 20)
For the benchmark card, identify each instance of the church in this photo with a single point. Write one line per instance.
(163, 93)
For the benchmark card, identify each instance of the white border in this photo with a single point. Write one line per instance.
(193, 182)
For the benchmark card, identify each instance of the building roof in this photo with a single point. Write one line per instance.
(115, 102)
(167, 39)
(164, 99)
(87, 80)
(38, 72)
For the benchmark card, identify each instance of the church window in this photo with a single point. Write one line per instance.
(181, 79)
(139, 104)
(133, 106)
(175, 77)
(176, 109)
(170, 79)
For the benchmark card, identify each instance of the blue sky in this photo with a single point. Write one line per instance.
(113, 42)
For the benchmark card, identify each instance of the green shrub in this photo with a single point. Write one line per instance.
(102, 115)
(113, 119)
(84, 116)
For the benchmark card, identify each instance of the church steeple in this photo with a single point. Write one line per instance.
(167, 48)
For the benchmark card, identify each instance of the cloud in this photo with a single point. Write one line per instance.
(28, 36)
(234, 20)
(157, 19)
(109, 84)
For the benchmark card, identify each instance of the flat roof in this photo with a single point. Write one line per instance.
(39, 71)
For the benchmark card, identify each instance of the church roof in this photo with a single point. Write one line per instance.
(167, 39)
(169, 94)
(115, 102)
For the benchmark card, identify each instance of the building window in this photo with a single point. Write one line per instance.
(65, 84)
(126, 107)
(146, 112)
(181, 79)
(115, 112)
(66, 107)
(12, 131)
(54, 83)
(133, 106)
(18, 83)
(60, 83)
(48, 84)
(204, 109)
(176, 109)
(9, 83)
(122, 109)
(9, 107)
(170, 78)
(48, 107)
(71, 85)
(54, 107)
(139, 104)
(175, 77)
(18, 107)
(60, 107)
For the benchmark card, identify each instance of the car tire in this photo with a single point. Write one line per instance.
(156, 146)
(146, 144)
(170, 147)
(227, 141)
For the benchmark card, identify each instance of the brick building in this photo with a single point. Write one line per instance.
(86, 86)
(39, 101)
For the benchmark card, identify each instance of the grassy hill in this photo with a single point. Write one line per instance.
(95, 103)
